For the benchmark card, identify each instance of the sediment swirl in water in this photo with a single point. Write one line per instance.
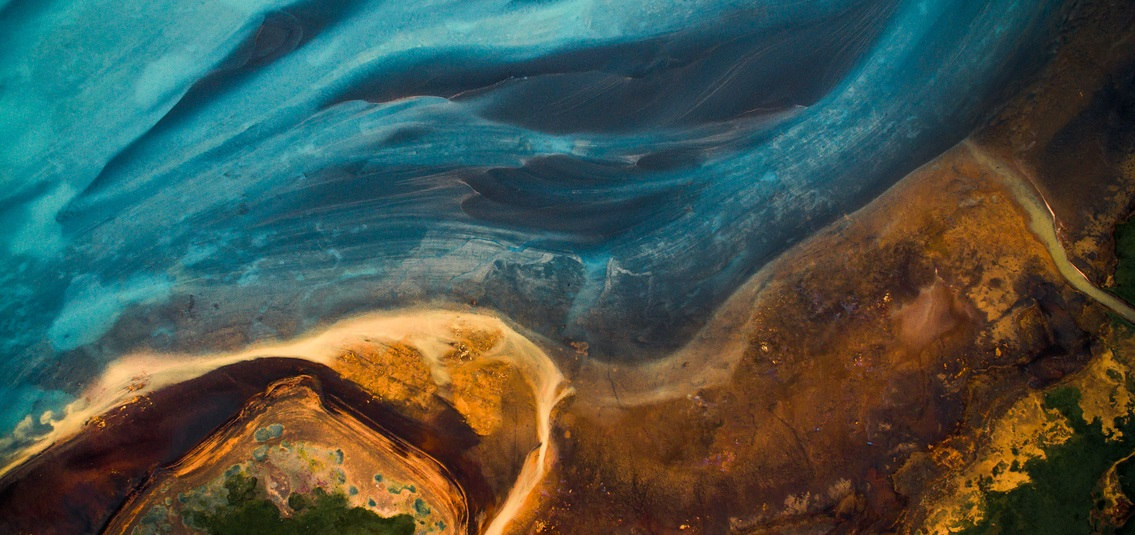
(603, 173)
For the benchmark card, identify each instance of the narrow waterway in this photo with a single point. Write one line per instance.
(1042, 223)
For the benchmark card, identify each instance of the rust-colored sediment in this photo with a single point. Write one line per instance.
(854, 362)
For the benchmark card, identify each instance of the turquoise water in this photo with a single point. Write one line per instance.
(598, 171)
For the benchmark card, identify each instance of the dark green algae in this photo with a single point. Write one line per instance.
(1125, 256)
(1063, 492)
(248, 511)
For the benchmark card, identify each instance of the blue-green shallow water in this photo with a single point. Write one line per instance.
(597, 171)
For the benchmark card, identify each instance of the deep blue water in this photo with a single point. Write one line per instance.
(606, 171)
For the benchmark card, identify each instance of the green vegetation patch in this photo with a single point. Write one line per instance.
(1060, 498)
(1125, 253)
(248, 511)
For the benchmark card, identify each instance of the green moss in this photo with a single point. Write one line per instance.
(249, 512)
(1059, 499)
(1125, 254)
